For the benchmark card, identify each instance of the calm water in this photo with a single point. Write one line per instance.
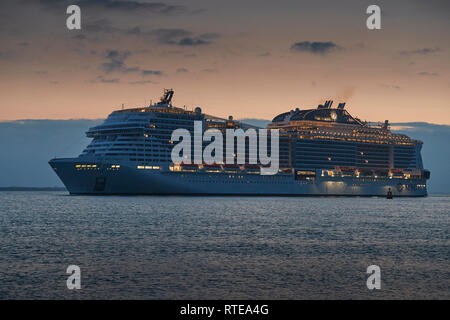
(222, 247)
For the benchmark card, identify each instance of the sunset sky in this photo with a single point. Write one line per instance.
(247, 58)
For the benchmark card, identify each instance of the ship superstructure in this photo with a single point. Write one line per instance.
(322, 151)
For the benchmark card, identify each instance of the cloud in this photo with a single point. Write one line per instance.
(423, 51)
(136, 30)
(210, 35)
(133, 69)
(428, 74)
(192, 42)
(345, 93)
(41, 72)
(390, 86)
(151, 72)
(99, 25)
(116, 62)
(79, 37)
(130, 6)
(209, 70)
(173, 36)
(182, 70)
(135, 6)
(101, 79)
(315, 47)
(140, 82)
(265, 54)
(183, 37)
(7, 54)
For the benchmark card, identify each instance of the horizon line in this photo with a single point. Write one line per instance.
(240, 119)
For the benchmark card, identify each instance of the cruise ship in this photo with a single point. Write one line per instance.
(323, 151)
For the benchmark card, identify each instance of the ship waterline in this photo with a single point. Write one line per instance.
(323, 152)
(129, 180)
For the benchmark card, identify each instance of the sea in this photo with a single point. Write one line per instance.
(173, 247)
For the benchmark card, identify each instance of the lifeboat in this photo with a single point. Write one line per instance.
(252, 168)
(232, 167)
(365, 172)
(212, 165)
(188, 166)
(382, 173)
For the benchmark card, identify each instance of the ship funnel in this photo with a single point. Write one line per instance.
(341, 105)
(323, 106)
(327, 104)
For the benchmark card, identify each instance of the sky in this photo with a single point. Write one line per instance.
(247, 58)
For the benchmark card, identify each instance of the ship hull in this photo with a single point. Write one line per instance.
(129, 180)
